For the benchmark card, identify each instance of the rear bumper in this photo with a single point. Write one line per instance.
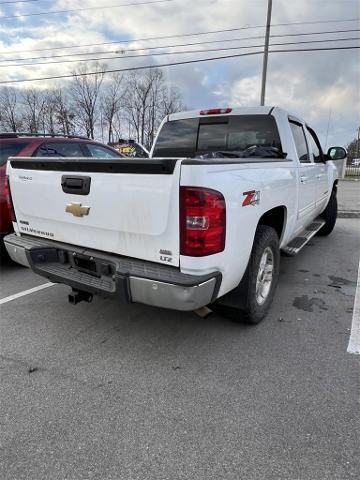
(126, 279)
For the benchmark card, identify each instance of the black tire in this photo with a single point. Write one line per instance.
(329, 215)
(243, 305)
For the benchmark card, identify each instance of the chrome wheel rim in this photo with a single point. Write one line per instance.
(265, 276)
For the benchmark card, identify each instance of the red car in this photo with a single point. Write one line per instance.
(28, 145)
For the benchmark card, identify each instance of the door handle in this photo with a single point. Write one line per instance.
(75, 184)
(303, 179)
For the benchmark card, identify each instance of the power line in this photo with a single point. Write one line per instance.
(166, 46)
(73, 10)
(170, 64)
(20, 1)
(117, 57)
(133, 49)
(147, 48)
(163, 37)
(209, 32)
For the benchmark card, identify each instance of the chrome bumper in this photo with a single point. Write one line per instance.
(167, 295)
(126, 279)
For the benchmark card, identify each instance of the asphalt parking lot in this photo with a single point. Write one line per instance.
(102, 391)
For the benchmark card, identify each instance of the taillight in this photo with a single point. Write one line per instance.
(215, 111)
(8, 199)
(202, 221)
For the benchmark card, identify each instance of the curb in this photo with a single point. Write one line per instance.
(348, 214)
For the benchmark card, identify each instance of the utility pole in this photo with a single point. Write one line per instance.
(328, 126)
(266, 53)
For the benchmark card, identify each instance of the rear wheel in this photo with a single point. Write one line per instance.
(256, 290)
(329, 215)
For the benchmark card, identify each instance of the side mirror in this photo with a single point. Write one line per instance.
(336, 153)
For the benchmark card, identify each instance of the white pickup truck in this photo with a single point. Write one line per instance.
(200, 223)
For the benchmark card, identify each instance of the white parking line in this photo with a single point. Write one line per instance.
(25, 292)
(354, 342)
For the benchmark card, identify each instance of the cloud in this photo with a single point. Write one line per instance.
(312, 84)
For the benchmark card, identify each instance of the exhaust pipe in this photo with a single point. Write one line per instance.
(77, 296)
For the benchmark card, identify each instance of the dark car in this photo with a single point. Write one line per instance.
(27, 145)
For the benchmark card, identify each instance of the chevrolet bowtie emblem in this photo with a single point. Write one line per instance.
(76, 209)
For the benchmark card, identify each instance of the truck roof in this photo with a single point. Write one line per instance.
(265, 110)
(234, 111)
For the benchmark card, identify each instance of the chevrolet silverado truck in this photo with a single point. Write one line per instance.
(200, 223)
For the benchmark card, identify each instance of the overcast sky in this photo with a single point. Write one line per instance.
(320, 86)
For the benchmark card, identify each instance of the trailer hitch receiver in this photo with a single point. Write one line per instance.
(77, 296)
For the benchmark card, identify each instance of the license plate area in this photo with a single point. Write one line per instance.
(86, 265)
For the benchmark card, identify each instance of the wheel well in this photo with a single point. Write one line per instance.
(335, 186)
(274, 218)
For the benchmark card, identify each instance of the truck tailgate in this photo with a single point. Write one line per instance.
(127, 207)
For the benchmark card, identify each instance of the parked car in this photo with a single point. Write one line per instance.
(31, 145)
(355, 162)
(202, 225)
(130, 148)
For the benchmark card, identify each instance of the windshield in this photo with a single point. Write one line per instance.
(10, 150)
(197, 136)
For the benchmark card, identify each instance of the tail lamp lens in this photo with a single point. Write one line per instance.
(8, 199)
(202, 221)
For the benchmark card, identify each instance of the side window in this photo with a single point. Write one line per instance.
(315, 146)
(10, 150)
(300, 142)
(101, 152)
(70, 149)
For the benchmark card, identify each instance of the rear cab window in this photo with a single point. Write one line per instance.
(197, 136)
(10, 150)
(177, 138)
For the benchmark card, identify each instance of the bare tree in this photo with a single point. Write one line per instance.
(64, 114)
(171, 101)
(154, 115)
(121, 125)
(131, 106)
(34, 105)
(48, 117)
(111, 102)
(135, 102)
(85, 91)
(142, 102)
(10, 109)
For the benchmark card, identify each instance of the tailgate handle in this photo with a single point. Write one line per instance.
(76, 184)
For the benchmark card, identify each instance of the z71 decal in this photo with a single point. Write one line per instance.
(251, 198)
